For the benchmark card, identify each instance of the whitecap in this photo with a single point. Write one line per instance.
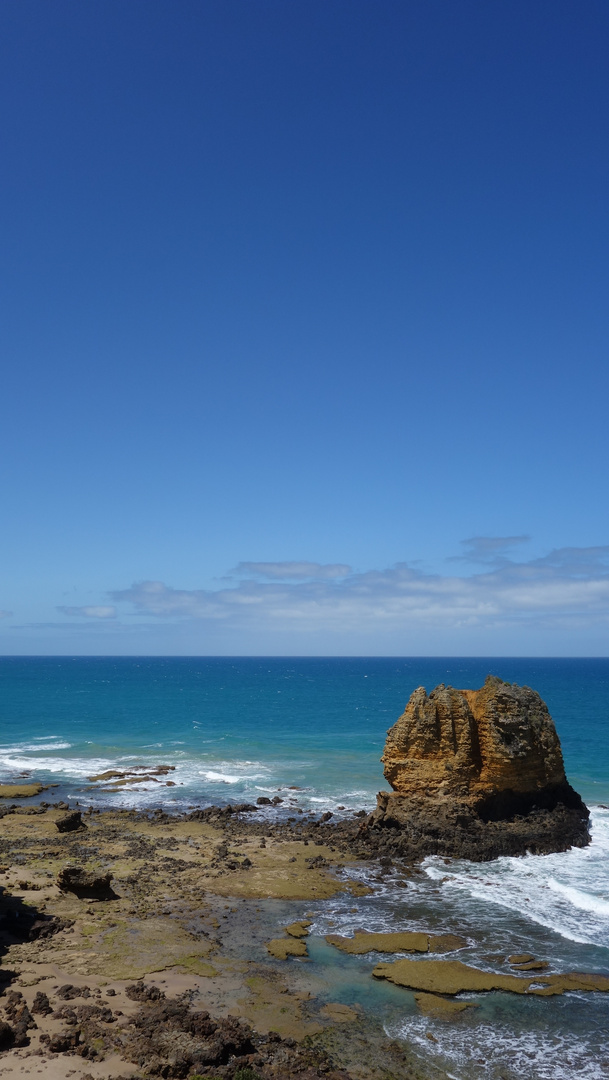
(71, 767)
(491, 1051)
(583, 900)
(223, 778)
(564, 892)
(24, 748)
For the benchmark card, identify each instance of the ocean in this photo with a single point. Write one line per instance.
(312, 731)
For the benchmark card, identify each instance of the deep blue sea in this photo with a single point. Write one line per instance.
(312, 731)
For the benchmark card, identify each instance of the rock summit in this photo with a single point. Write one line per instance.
(477, 774)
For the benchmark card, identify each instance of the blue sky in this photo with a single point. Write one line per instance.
(304, 327)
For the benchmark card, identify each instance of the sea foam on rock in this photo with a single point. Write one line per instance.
(477, 774)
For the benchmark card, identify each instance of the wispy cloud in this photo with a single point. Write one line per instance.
(488, 549)
(99, 611)
(5, 614)
(569, 585)
(292, 571)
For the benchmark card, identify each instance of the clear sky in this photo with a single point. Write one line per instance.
(304, 326)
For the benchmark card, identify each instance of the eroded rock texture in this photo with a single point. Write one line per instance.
(478, 773)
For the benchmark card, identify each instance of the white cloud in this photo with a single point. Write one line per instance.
(292, 571)
(90, 612)
(568, 588)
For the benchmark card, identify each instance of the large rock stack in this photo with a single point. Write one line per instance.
(477, 774)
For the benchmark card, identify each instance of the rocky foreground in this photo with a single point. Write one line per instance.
(142, 945)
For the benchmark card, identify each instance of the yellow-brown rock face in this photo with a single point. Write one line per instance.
(476, 774)
(470, 744)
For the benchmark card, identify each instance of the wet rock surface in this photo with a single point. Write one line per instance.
(364, 942)
(454, 977)
(281, 948)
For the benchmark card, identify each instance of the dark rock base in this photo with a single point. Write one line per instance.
(555, 821)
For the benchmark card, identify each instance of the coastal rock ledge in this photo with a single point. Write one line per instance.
(477, 774)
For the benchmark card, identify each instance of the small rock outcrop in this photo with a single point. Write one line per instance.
(478, 774)
(85, 883)
(70, 822)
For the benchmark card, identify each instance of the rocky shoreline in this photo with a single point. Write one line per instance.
(148, 944)
(137, 944)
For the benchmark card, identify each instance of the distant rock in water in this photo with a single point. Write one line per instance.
(477, 774)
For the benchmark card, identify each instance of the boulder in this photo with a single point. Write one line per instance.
(85, 883)
(47, 926)
(41, 1005)
(7, 1036)
(477, 774)
(70, 822)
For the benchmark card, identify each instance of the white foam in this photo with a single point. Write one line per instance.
(492, 1051)
(71, 767)
(26, 748)
(582, 900)
(233, 772)
(567, 892)
(222, 778)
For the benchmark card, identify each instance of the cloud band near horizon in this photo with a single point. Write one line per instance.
(568, 584)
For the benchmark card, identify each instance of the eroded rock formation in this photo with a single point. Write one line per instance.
(478, 773)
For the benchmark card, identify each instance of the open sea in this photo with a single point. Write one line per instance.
(312, 731)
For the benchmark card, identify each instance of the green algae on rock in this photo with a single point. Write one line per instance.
(454, 977)
(270, 1006)
(339, 1013)
(134, 948)
(436, 1006)
(298, 929)
(363, 942)
(20, 791)
(281, 948)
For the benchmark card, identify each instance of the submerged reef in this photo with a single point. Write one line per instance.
(477, 774)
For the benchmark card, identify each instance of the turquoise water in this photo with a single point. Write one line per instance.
(313, 730)
(236, 728)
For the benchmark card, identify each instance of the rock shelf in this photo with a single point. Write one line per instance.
(454, 977)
